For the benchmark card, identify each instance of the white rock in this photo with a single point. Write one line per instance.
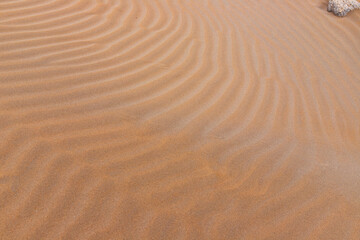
(342, 7)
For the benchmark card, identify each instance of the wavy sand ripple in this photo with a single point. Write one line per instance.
(183, 119)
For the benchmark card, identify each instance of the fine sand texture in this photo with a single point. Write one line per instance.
(179, 119)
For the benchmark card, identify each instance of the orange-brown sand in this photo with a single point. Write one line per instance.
(179, 119)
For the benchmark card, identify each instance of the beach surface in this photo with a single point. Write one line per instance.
(179, 119)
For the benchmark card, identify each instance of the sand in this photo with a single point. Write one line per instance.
(179, 119)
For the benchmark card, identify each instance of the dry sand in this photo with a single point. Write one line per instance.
(179, 119)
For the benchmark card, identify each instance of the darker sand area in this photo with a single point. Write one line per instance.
(179, 119)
